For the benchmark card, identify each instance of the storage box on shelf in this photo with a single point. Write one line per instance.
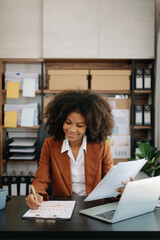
(67, 79)
(110, 80)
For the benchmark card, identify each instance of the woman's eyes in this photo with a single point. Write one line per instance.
(68, 122)
(79, 126)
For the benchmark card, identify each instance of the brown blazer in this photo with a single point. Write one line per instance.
(98, 161)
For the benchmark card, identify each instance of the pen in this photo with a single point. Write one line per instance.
(34, 192)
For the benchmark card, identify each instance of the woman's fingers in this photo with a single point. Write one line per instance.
(31, 202)
(120, 190)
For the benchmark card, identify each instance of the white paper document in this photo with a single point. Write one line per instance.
(28, 87)
(24, 142)
(121, 118)
(114, 178)
(27, 118)
(22, 156)
(52, 210)
(120, 146)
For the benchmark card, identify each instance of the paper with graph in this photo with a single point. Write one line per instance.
(114, 178)
(52, 210)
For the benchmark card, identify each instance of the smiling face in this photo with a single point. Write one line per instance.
(74, 127)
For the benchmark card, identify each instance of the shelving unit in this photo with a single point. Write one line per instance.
(3, 129)
(142, 97)
(136, 96)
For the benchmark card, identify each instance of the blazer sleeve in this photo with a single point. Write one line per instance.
(107, 160)
(43, 174)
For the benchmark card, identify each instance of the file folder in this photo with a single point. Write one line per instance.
(147, 78)
(147, 114)
(22, 184)
(14, 184)
(6, 183)
(138, 78)
(138, 114)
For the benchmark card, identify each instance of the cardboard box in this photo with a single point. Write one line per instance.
(68, 79)
(110, 79)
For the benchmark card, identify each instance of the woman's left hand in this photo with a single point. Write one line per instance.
(120, 190)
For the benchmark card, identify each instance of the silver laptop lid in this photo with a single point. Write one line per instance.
(139, 197)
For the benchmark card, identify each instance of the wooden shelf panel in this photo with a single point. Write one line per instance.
(21, 60)
(99, 92)
(20, 91)
(142, 127)
(142, 91)
(35, 127)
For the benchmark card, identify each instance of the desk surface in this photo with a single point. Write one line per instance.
(12, 226)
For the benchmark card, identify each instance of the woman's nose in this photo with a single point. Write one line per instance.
(72, 128)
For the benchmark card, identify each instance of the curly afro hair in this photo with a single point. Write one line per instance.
(95, 110)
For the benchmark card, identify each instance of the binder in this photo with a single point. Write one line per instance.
(147, 78)
(138, 113)
(30, 178)
(22, 184)
(136, 144)
(14, 184)
(6, 183)
(147, 114)
(138, 78)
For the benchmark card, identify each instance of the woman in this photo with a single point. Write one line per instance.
(77, 156)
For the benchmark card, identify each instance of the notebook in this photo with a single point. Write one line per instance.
(139, 197)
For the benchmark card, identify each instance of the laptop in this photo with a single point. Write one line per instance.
(139, 197)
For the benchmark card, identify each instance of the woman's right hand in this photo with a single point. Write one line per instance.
(31, 201)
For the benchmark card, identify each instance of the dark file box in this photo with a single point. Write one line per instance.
(6, 183)
(136, 144)
(147, 78)
(147, 114)
(14, 180)
(138, 113)
(138, 78)
(22, 190)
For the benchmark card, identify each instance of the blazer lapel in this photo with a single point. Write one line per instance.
(91, 164)
(63, 162)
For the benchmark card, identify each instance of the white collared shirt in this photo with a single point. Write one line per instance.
(77, 166)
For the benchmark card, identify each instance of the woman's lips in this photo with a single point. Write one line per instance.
(71, 135)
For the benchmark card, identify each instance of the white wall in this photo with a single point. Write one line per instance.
(21, 28)
(99, 28)
(70, 28)
(127, 28)
(77, 28)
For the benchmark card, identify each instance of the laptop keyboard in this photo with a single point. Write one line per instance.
(107, 215)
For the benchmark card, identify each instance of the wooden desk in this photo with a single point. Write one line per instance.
(12, 226)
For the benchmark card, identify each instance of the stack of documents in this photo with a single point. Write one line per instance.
(114, 178)
(19, 77)
(29, 119)
(22, 149)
